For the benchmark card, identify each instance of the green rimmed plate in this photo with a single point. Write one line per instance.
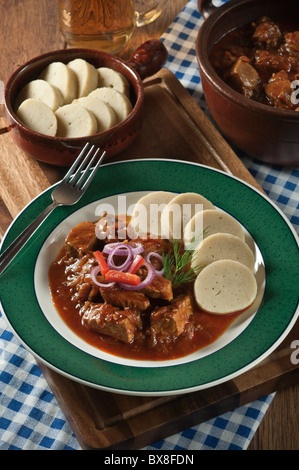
(278, 312)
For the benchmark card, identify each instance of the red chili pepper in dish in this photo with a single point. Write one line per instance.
(124, 278)
(101, 262)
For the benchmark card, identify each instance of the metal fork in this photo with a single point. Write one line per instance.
(67, 192)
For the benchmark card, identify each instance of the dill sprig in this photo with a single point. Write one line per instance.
(177, 263)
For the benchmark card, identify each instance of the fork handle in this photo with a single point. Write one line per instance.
(12, 250)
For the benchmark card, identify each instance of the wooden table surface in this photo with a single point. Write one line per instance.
(30, 28)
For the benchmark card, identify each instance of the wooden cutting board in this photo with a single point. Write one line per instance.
(174, 127)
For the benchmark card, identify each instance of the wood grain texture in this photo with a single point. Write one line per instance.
(279, 429)
(29, 28)
(23, 177)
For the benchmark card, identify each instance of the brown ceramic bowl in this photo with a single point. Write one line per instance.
(146, 61)
(263, 132)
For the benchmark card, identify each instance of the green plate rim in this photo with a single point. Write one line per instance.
(264, 221)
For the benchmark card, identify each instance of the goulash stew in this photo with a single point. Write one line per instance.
(261, 61)
(135, 312)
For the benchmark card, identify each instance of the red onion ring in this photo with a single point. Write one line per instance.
(159, 257)
(110, 246)
(134, 263)
(117, 250)
(138, 248)
(151, 272)
(93, 275)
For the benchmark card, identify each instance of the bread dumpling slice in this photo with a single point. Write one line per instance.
(146, 217)
(87, 76)
(36, 115)
(43, 91)
(64, 78)
(179, 211)
(223, 246)
(75, 121)
(113, 79)
(224, 287)
(209, 222)
(103, 113)
(119, 102)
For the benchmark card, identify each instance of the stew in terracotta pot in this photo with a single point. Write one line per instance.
(261, 61)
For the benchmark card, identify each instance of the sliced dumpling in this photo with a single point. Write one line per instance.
(119, 102)
(146, 217)
(103, 113)
(36, 115)
(223, 246)
(112, 79)
(87, 76)
(75, 121)
(211, 221)
(224, 287)
(179, 211)
(43, 91)
(64, 78)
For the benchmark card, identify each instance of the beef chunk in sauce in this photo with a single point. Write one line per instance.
(267, 34)
(86, 291)
(80, 239)
(243, 77)
(170, 321)
(267, 63)
(159, 288)
(78, 278)
(111, 321)
(279, 90)
(123, 298)
(291, 43)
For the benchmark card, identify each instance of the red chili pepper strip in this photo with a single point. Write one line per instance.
(101, 262)
(136, 264)
(125, 278)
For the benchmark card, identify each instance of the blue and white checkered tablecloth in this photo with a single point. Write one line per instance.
(30, 418)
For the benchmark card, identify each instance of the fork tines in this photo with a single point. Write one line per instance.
(80, 168)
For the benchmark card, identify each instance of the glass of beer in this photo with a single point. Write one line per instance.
(147, 11)
(98, 24)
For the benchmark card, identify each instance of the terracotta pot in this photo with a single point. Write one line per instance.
(145, 61)
(263, 132)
